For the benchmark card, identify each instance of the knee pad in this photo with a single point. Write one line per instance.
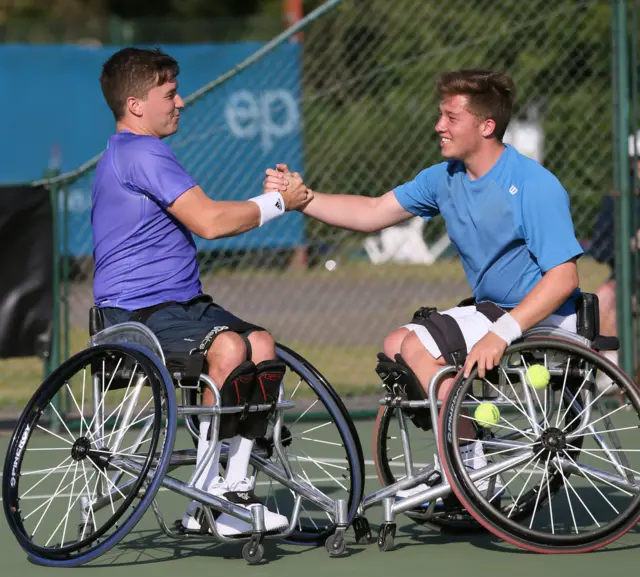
(236, 390)
(400, 380)
(269, 375)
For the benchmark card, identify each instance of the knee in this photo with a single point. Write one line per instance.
(393, 342)
(607, 296)
(263, 347)
(225, 354)
(413, 351)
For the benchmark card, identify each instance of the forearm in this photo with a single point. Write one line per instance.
(230, 218)
(547, 296)
(357, 213)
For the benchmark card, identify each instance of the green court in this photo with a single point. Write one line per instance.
(419, 549)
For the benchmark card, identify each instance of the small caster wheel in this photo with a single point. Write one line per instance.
(387, 536)
(253, 552)
(362, 530)
(335, 545)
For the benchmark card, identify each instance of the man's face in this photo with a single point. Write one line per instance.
(461, 132)
(161, 109)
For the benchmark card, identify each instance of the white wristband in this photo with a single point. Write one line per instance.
(271, 206)
(507, 328)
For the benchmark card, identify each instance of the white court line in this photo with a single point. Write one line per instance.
(163, 490)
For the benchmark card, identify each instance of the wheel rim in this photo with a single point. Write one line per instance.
(49, 474)
(577, 457)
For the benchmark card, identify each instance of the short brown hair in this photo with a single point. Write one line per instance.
(133, 72)
(490, 94)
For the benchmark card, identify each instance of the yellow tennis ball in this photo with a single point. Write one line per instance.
(538, 376)
(487, 415)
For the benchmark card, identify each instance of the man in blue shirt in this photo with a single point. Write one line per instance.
(507, 216)
(145, 209)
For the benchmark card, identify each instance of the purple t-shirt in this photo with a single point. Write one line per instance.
(143, 255)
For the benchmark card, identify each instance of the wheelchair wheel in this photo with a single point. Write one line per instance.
(74, 487)
(321, 446)
(566, 485)
(388, 455)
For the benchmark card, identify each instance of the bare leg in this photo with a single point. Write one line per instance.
(425, 366)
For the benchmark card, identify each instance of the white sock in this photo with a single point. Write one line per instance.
(612, 356)
(212, 469)
(239, 455)
(473, 455)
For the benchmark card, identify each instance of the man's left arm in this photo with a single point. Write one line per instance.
(550, 237)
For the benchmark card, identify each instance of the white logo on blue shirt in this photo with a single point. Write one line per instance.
(513, 189)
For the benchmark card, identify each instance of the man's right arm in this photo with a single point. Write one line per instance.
(212, 219)
(365, 214)
(358, 213)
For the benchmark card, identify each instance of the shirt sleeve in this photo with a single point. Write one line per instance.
(549, 231)
(157, 173)
(419, 196)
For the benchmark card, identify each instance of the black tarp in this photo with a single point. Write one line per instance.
(26, 270)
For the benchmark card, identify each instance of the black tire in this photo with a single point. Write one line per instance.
(153, 465)
(545, 536)
(333, 405)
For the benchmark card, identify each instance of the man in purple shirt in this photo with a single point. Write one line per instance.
(145, 209)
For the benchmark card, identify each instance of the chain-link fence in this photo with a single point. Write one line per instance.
(352, 106)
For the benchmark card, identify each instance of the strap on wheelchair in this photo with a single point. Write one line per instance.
(269, 375)
(399, 379)
(236, 390)
(447, 333)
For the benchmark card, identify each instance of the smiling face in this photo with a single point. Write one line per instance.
(462, 133)
(159, 112)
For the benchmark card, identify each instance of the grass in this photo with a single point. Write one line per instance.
(349, 369)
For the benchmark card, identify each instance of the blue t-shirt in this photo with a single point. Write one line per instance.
(143, 255)
(510, 226)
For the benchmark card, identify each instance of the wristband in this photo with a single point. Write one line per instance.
(507, 328)
(271, 206)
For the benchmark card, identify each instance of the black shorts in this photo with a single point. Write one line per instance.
(182, 327)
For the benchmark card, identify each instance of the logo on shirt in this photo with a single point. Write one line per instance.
(513, 189)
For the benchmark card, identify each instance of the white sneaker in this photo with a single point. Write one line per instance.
(474, 458)
(241, 493)
(405, 493)
(192, 519)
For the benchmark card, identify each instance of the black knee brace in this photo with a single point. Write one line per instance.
(236, 391)
(269, 375)
(400, 380)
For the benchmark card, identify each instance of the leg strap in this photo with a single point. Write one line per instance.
(400, 380)
(236, 391)
(269, 375)
(445, 332)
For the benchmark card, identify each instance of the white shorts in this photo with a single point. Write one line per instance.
(474, 325)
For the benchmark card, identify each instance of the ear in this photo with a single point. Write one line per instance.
(134, 106)
(488, 128)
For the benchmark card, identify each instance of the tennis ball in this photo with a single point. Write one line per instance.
(487, 415)
(538, 376)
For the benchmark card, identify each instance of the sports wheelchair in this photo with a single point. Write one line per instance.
(74, 487)
(555, 477)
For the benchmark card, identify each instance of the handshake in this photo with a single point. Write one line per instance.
(290, 185)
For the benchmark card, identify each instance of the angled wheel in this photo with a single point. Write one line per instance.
(321, 447)
(570, 483)
(73, 488)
